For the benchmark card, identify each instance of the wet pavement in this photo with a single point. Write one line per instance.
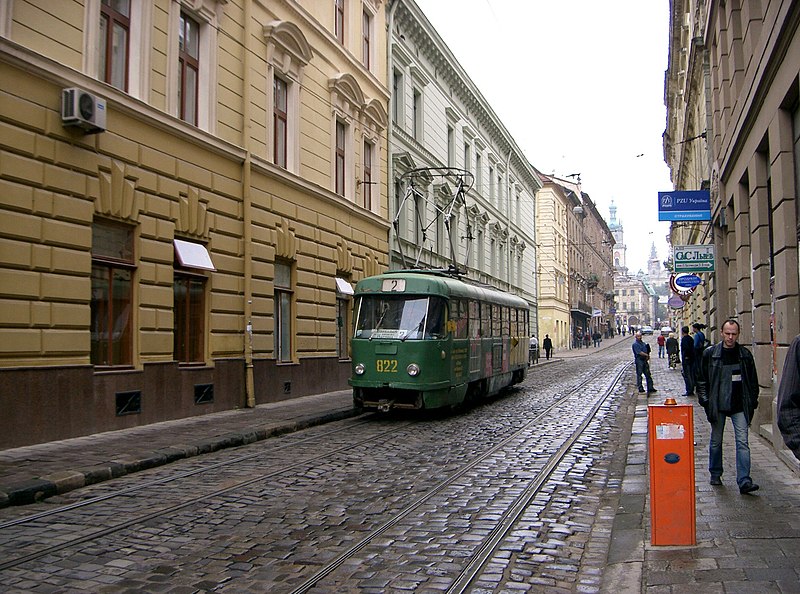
(745, 543)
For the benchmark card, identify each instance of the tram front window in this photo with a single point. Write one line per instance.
(407, 318)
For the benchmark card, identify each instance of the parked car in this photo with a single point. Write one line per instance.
(665, 330)
(647, 330)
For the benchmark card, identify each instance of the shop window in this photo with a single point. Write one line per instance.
(113, 268)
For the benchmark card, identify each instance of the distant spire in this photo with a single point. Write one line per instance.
(653, 253)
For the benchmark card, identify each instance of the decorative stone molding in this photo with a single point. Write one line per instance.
(287, 48)
(118, 196)
(209, 10)
(371, 264)
(191, 214)
(344, 256)
(285, 241)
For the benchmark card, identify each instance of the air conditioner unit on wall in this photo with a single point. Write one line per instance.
(82, 109)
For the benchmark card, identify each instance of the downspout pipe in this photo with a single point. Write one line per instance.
(391, 198)
(247, 208)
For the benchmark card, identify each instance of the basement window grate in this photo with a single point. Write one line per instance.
(203, 393)
(287, 387)
(129, 403)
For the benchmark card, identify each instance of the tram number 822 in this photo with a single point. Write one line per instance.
(386, 365)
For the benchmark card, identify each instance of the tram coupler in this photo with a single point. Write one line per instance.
(385, 406)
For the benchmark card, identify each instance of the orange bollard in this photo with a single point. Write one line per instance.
(670, 430)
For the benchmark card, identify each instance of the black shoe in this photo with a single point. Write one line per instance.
(651, 391)
(748, 488)
(641, 390)
(715, 480)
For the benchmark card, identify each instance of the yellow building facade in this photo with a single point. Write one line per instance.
(189, 190)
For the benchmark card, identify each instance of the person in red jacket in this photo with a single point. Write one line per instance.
(661, 342)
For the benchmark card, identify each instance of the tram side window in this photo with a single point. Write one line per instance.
(460, 315)
(474, 319)
(486, 320)
(497, 320)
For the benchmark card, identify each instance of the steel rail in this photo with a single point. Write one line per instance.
(340, 559)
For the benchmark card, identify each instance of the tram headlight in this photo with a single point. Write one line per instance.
(360, 369)
(413, 369)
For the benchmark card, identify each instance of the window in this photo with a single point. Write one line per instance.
(366, 183)
(397, 97)
(467, 157)
(366, 36)
(189, 289)
(491, 183)
(451, 146)
(189, 338)
(338, 20)
(280, 119)
(288, 54)
(112, 295)
(416, 130)
(478, 172)
(344, 295)
(340, 157)
(188, 68)
(113, 42)
(283, 312)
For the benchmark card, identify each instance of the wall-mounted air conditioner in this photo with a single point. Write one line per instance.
(82, 109)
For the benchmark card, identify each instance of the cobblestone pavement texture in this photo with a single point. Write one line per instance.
(745, 543)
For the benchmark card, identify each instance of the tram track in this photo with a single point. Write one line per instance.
(164, 511)
(543, 410)
(486, 549)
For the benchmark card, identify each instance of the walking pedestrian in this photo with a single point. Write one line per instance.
(789, 399)
(727, 387)
(641, 357)
(687, 361)
(533, 351)
(661, 344)
(672, 350)
(548, 346)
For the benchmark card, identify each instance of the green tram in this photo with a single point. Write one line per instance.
(428, 339)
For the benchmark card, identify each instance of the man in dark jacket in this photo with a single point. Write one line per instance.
(789, 399)
(727, 387)
(687, 360)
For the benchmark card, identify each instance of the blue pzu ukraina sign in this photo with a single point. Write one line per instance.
(684, 205)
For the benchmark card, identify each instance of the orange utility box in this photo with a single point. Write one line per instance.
(670, 433)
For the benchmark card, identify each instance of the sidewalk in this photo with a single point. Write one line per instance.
(745, 543)
(30, 473)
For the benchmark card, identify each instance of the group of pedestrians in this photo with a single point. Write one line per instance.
(725, 380)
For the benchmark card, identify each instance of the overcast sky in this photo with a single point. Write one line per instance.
(579, 85)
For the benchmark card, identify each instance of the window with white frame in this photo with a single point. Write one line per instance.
(117, 33)
(188, 68)
(192, 62)
(451, 146)
(397, 98)
(114, 42)
(416, 111)
(340, 157)
(289, 53)
(338, 20)
(366, 39)
(280, 120)
(366, 182)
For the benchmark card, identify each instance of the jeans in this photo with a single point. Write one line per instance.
(688, 378)
(740, 431)
(643, 367)
(660, 351)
